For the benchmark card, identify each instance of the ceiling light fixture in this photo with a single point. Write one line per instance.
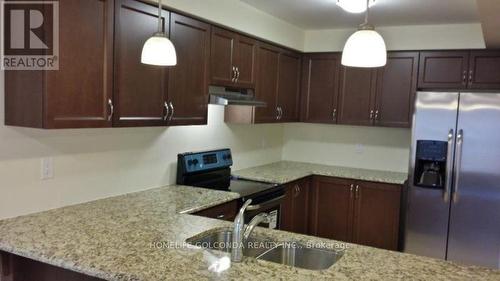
(365, 48)
(158, 49)
(354, 6)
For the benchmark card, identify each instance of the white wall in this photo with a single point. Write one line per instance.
(418, 37)
(243, 17)
(97, 163)
(381, 148)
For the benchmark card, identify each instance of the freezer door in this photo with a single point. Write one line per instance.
(475, 210)
(428, 209)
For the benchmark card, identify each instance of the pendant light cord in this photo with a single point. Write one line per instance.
(160, 29)
(367, 11)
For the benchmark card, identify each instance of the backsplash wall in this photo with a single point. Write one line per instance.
(360, 147)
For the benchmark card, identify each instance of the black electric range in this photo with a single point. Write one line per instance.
(212, 170)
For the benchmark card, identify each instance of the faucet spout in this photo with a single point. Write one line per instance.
(237, 239)
(260, 218)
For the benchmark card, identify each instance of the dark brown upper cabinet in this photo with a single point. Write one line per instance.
(396, 88)
(79, 94)
(443, 70)
(289, 87)
(267, 83)
(320, 88)
(357, 95)
(484, 70)
(188, 80)
(140, 92)
(233, 58)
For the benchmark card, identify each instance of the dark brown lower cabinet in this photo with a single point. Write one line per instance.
(331, 208)
(376, 215)
(16, 268)
(360, 212)
(226, 211)
(295, 210)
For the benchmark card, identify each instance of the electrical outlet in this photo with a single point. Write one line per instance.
(47, 168)
(360, 148)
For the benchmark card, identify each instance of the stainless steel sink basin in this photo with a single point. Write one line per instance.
(287, 253)
(221, 240)
(298, 255)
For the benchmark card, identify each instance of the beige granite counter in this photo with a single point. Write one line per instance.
(288, 171)
(117, 239)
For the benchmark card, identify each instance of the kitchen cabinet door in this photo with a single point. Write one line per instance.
(79, 94)
(443, 70)
(289, 86)
(267, 83)
(320, 85)
(484, 72)
(357, 95)
(222, 56)
(295, 210)
(396, 88)
(188, 80)
(376, 215)
(139, 89)
(245, 61)
(331, 208)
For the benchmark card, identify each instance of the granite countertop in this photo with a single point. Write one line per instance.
(288, 171)
(141, 236)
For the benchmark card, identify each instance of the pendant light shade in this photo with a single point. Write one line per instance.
(158, 49)
(365, 48)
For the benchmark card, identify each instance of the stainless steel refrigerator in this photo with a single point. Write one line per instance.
(454, 186)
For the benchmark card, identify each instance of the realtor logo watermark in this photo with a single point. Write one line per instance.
(29, 35)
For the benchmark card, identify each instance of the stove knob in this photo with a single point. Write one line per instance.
(190, 162)
(195, 162)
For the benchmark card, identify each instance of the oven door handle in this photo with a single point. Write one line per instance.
(263, 204)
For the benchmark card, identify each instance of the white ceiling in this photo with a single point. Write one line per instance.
(325, 14)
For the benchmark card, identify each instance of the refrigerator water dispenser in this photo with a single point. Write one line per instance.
(430, 164)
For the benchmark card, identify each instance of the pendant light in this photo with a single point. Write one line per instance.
(158, 49)
(365, 48)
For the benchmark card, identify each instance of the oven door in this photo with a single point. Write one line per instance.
(269, 203)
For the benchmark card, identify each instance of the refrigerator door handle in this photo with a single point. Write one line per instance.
(449, 166)
(458, 164)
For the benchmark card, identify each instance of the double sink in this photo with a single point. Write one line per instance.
(287, 253)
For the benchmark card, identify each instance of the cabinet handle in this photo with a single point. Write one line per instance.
(371, 114)
(281, 112)
(351, 190)
(167, 111)
(470, 77)
(297, 190)
(377, 116)
(233, 79)
(464, 78)
(237, 73)
(221, 216)
(111, 109)
(357, 191)
(334, 114)
(172, 110)
(277, 113)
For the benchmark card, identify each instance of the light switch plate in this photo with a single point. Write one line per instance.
(47, 168)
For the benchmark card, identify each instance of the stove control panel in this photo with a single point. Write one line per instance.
(193, 162)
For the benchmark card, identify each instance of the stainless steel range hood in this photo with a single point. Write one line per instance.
(228, 96)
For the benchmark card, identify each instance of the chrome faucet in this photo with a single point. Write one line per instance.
(240, 233)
